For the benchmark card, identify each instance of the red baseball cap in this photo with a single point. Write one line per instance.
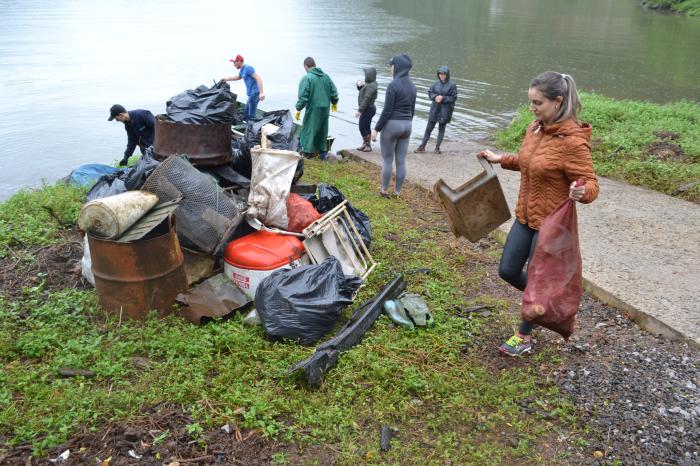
(238, 58)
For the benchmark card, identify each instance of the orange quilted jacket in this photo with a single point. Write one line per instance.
(550, 159)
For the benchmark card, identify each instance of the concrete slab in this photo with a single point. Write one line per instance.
(640, 248)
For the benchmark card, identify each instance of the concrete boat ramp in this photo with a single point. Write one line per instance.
(640, 248)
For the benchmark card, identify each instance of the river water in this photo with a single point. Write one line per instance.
(63, 63)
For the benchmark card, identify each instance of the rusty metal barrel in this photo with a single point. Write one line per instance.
(204, 144)
(134, 277)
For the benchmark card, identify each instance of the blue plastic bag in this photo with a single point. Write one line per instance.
(88, 174)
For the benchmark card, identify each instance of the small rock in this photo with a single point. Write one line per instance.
(70, 372)
(686, 187)
(598, 454)
(690, 385)
(140, 362)
(385, 435)
(62, 458)
(132, 435)
(226, 429)
(682, 412)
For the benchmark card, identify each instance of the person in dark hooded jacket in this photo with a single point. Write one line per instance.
(395, 122)
(442, 94)
(365, 106)
(140, 128)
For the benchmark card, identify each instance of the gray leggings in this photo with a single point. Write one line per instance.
(394, 143)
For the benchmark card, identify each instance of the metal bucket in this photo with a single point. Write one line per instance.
(204, 145)
(133, 278)
(111, 216)
(477, 207)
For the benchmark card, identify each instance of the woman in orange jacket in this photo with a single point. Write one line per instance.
(555, 154)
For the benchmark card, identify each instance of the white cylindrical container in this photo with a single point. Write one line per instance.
(110, 217)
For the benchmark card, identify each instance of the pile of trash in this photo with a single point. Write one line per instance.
(238, 232)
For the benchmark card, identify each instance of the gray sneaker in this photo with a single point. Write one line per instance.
(516, 346)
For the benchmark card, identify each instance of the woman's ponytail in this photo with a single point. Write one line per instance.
(552, 85)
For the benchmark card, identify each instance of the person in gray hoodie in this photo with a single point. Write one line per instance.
(365, 106)
(442, 94)
(395, 122)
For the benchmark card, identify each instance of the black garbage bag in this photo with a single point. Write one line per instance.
(226, 176)
(107, 185)
(282, 139)
(303, 304)
(239, 116)
(329, 196)
(240, 157)
(137, 174)
(299, 171)
(203, 105)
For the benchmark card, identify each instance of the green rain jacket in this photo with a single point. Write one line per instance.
(316, 93)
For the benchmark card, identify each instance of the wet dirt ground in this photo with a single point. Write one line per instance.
(162, 435)
(53, 267)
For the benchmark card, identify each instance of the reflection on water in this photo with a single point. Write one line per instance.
(494, 48)
(64, 63)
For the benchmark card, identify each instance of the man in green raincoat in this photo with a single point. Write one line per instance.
(318, 95)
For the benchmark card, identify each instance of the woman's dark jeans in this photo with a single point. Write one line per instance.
(518, 251)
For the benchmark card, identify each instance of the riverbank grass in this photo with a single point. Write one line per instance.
(689, 7)
(640, 143)
(434, 385)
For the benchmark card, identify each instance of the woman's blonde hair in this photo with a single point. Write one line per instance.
(552, 85)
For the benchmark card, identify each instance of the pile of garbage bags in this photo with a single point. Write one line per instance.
(203, 105)
(252, 197)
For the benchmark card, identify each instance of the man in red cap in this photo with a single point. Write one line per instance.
(253, 85)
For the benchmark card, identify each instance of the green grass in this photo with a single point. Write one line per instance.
(623, 131)
(690, 7)
(34, 217)
(446, 405)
